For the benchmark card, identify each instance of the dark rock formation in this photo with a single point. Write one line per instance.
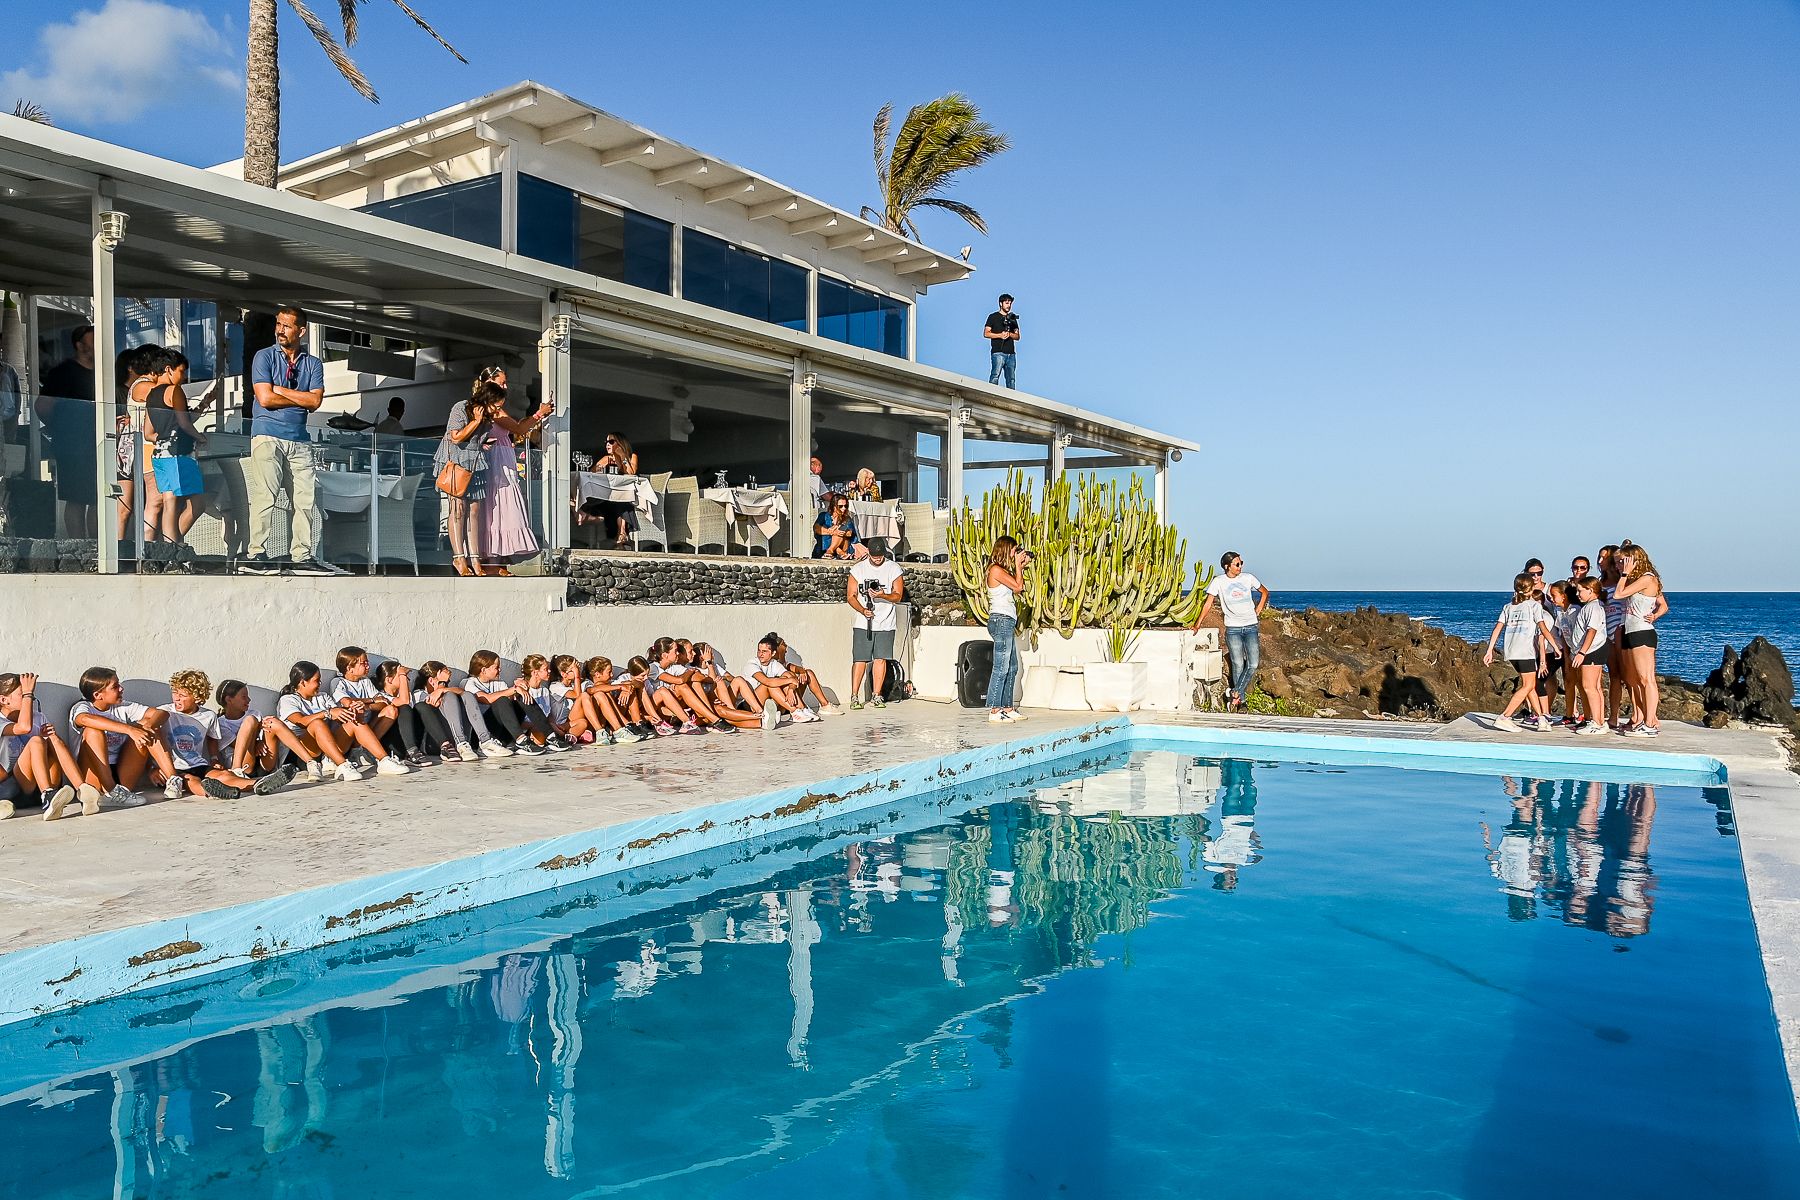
(1754, 685)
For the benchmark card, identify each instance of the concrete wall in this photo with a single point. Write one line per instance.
(253, 628)
(1179, 660)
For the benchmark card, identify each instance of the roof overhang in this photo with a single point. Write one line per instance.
(555, 119)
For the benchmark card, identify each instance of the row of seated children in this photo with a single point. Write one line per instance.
(389, 718)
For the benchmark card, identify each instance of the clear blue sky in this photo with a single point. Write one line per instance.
(1439, 286)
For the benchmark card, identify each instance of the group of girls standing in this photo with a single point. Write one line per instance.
(1579, 628)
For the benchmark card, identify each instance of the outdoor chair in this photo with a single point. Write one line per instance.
(653, 528)
(397, 541)
(694, 521)
(925, 533)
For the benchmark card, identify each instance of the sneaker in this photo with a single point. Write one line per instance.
(315, 771)
(1521, 723)
(771, 714)
(258, 564)
(804, 715)
(722, 726)
(627, 736)
(1591, 729)
(603, 738)
(559, 743)
(997, 717)
(219, 790)
(1647, 731)
(856, 706)
(54, 807)
(493, 749)
(449, 753)
(242, 773)
(664, 729)
(391, 766)
(1013, 714)
(123, 797)
(89, 795)
(417, 761)
(647, 730)
(690, 727)
(877, 702)
(309, 566)
(527, 747)
(174, 789)
(345, 773)
(274, 781)
(830, 710)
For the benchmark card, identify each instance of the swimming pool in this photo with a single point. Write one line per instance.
(1154, 973)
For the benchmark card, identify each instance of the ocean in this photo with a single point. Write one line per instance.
(1690, 639)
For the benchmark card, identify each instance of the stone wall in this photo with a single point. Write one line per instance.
(617, 579)
(48, 556)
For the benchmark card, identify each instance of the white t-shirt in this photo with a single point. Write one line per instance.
(291, 706)
(564, 697)
(363, 689)
(130, 714)
(472, 684)
(1591, 615)
(188, 733)
(1519, 642)
(887, 616)
(13, 744)
(773, 669)
(546, 701)
(228, 728)
(1236, 597)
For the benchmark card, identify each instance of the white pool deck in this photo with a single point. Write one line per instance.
(97, 906)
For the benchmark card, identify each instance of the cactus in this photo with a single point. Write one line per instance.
(1102, 558)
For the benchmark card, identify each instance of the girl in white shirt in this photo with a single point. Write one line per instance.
(617, 699)
(581, 716)
(440, 709)
(250, 743)
(534, 692)
(33, 756)
(1585, 650)
(329, 728)
(1523, 621)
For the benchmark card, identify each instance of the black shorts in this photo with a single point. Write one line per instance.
(1524, 666)
(1595, 657)
(1640, 638)
(1553, 664)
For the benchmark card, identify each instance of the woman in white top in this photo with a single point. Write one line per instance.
(1005, 580)
(1641, 589)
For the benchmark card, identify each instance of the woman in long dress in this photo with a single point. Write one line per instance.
(505, 517)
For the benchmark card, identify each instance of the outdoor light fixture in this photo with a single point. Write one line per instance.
(1175, 455)
(562, 331)
(808, 382)
(112, 229)
(965, 416)
(1064, 440)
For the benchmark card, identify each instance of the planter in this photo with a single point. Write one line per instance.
(1117, 687)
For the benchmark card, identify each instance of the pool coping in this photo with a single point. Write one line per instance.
(52, 978)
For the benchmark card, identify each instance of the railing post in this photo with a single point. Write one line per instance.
(953, 457)
(800, 424)
(555, 352)
(106, 349)
(374, 502)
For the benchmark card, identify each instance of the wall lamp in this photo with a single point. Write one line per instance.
(112, 229)
(1064, 440)
(562, 332)
(1175, 455)
(809, 382)
(965, 416)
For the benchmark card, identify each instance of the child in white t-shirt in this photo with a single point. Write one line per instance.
(119, 741)
(1524, 623)
(251, 744)
(617, 699)
(193, 733)
(776, 688)
(33, 756)
(534, 690)
(581, 716)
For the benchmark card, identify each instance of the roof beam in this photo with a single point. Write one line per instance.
(774, 208)
(730, 191)
(686, 172)
(818, 224)
(881, 253)
(562, 131)
(627, 153)
(853, 238)
(916, 265)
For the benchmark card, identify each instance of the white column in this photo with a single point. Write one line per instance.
(106, 350)
(800, 425)
(953, 456)
(509, 198)
(1056, 457)
(1162, 489)
(30, 387)
(555, 368)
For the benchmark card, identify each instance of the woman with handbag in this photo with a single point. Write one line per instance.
(461, 463)
(505, 519)
(172, 440)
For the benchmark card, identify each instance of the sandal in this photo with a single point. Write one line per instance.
(500, 569)
(461, 563)
(475, 567)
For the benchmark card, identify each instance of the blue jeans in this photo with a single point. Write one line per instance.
(1245, 651)
(1004, 364)
(1006, 662)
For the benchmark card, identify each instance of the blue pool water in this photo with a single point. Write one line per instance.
(1154, 975)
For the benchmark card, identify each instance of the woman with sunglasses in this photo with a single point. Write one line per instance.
(465, 445)
(835, 529)
(505, 521)
(616, 458)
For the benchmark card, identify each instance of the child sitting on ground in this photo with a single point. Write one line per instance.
(193, 733)
(329, 728)
(440, 708)
(727, 689)
(533, 687)
(777, 690)
(491, 703)
(619, 701)
(250, 743)
(406, 735)
(356, 693)
(119, 741)
(33, 757)
(640, 676)
(582, 719)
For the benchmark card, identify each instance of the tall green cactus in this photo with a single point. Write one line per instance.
(1101, 557)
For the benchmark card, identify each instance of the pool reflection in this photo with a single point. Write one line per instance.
(1579, 850)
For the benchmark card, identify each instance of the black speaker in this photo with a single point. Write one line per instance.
(974, 667)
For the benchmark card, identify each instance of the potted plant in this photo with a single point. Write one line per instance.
(1117, 684)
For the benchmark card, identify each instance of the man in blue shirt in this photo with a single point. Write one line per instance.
(288, 383)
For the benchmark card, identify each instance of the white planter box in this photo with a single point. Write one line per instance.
(1117, 686)
(1176, 659)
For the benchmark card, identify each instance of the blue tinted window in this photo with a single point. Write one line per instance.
(470, 210)
(197, 340)
(720, 275)
(649, 253)
(834, 309)
(862, 318)
(893, 327)
(547, 221)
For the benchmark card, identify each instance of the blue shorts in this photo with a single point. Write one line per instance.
(177, 475)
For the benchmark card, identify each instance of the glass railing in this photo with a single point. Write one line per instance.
(49, 486)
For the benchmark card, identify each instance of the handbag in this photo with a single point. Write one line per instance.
(453, 480)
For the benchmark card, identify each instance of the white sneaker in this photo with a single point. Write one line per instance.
(242, 772)
(1592, 729)
(771, 714)
(1013, 714)
(997, 717)
(392, 766)
(803, 714)
(123, 797)
(346, 773)
(493, 749)
(467, 752)
(830, 710)
(174, 789)
(315, 771)
(7, 810)
(90, 799)
(54, 807)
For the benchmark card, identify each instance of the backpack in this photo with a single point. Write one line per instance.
(896, 686)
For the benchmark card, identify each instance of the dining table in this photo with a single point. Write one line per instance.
(634, 490)
(763, 509)
(876, 519)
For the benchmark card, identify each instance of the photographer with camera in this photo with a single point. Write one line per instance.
(1002, 331)
(1005, 580)
(874, 589)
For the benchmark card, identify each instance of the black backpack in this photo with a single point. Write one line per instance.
(896, 686)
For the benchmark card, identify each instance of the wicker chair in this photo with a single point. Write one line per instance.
(926, 533)
(397, 539)
(692, 520)
(655, 527)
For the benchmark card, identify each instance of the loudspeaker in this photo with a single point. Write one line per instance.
(974, 668)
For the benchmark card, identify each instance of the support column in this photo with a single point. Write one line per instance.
(1056, 458)
(106, 350)
(800, 426)
(509, 198)
(555, 353)
(1162, 489)
(31, 388)
(953, 456)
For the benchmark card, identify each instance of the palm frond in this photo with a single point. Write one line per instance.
(27, 111)
(937, 141)
(347, 14)
(322, 35)
(437, 37)
(958, 207)
(882, 120)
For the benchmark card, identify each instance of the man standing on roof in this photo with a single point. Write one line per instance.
(1002, 331)
(288, 383)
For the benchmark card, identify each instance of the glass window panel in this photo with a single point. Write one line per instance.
(197, 339)
(834, 309)
(787, 294)
(703, 269)
(468, 210)
(546, 221)
(649, 253)
(865, 319)
(602, 240)
(748, 283)
(893, 326)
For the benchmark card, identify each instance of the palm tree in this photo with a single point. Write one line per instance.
(262, 73)
(28, 111)
(939, 140)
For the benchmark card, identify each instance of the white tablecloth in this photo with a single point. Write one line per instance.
(877, 519)
(348, 491)
(763, 508)
(634, 490)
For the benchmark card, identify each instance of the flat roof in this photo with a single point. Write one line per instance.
(199, 234)
(560, 119)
